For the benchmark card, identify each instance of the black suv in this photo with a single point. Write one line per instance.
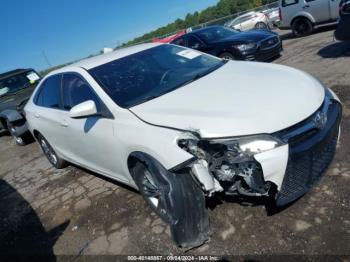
(16, 88)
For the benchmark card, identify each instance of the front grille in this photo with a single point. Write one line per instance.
(310, 156)
(269, 43)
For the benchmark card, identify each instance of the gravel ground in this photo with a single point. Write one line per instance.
(75, 212)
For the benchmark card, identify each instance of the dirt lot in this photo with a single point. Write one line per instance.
(75, 212)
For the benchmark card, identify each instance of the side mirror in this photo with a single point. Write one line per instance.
(85, 109)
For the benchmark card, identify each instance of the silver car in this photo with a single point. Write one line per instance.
(303, 16)
(249, 21)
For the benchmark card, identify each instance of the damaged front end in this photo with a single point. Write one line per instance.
(230, 165)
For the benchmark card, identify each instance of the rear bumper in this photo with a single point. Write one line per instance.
(309, 157)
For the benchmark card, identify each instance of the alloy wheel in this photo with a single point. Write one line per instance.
(48, 151)
(150, 189)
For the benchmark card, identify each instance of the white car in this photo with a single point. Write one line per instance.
(273, 16)
(303, 16)
(249, 21)
(180, 125)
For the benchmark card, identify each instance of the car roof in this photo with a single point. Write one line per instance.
(98, 60)
(247, 14)
(14, 72)
(204, 29)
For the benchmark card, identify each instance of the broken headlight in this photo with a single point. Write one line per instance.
(239, 149)
(232, 162)
(251, 145)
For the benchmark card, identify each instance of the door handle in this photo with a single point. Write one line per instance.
(37, 115)
(64, 124)
(306, 6)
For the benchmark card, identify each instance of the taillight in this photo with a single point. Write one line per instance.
(280, 13)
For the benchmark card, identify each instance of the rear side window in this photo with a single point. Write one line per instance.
(289, 2)
(76, 91)
(49, 94)
(179, 41)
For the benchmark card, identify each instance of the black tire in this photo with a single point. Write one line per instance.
(227, 56)
(261, 25)
(50, 154)
(20, 140)
(146, 183)
(181, 202)
(302, 27)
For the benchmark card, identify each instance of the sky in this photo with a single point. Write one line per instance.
(67, 30)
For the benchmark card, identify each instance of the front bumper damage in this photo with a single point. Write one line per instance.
(311, 151)
(285, 172)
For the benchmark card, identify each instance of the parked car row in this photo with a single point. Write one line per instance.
(302, 16)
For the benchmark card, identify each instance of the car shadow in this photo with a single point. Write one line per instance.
(90, 123)
(289, 35)
(105, 178)
(22, 235)
(335, 50)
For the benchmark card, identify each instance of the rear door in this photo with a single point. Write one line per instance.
(319, 9)
(48, 112)
(89, 141)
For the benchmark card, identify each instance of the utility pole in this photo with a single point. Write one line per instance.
(46, 58)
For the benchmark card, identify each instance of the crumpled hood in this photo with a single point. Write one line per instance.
(240, 98)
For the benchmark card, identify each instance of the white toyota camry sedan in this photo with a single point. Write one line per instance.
(180, 126)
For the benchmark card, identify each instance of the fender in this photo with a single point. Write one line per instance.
(303, 14)
(11, 115)
(182, 198)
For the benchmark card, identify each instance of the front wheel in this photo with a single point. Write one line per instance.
(50, 154)
(177, 199)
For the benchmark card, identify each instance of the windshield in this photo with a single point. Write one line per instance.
(16, 82)
(140, 77)
(214, 34)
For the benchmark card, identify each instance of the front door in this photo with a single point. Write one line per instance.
(89, 141)
(319, 9)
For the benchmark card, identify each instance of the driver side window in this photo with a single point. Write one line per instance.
(193, 42)
(76, 91)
